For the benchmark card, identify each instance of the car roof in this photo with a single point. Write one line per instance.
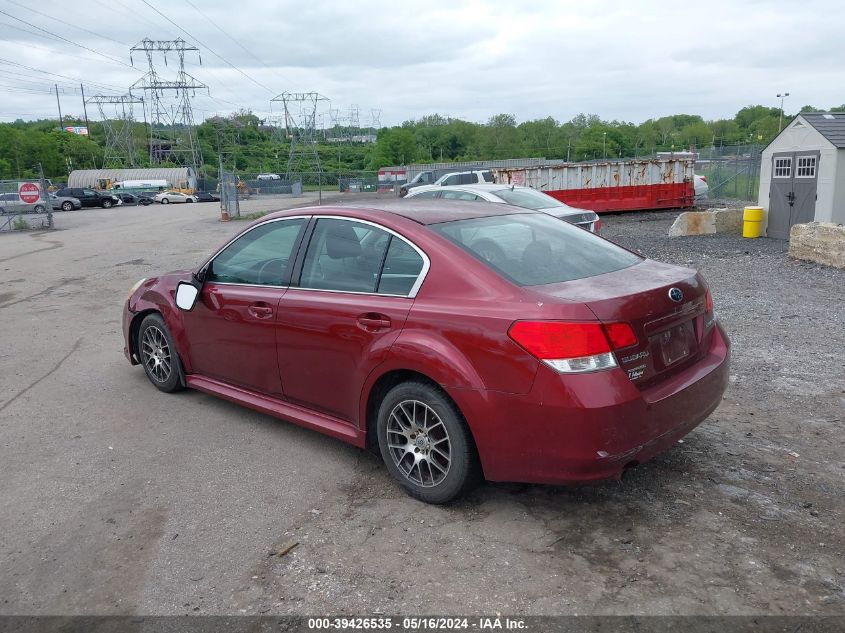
(479, 187)
(421, 211)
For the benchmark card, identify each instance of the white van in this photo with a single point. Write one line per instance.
(141, 184)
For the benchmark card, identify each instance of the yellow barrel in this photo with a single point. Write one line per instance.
(752, 221)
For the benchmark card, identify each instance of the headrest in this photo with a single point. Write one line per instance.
(341, 241)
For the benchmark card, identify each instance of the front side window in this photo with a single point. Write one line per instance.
(488, 176)
(451, 180)
(260, 257)
(426, 194)
(532, 249)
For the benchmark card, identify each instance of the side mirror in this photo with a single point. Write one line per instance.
(186, 296)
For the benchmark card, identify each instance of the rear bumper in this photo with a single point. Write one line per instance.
(592, 426)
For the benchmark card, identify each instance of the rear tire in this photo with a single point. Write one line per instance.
(426, 444)
(107, 204)
(158, 354)
(67, 206)
(165, 201)
(40, 208)
(188, 200)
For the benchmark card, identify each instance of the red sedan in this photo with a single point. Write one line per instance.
(461, 340)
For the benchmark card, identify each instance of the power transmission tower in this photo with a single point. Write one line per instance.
(118, 125)
(301, 131)
(172, 135)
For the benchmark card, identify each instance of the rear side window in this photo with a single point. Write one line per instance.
(458, 195)
(345, 256)
(535, 249)
(402, 267)
(488, 176)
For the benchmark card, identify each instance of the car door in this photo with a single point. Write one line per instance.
(337, 323)
(88, 197)
(231, 329)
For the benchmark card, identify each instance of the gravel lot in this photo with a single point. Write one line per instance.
(119, 499)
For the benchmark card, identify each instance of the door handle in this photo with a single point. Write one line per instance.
(260, 310)
(374, 322)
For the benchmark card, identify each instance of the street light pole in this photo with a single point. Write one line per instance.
(604, 144)
(780, 119)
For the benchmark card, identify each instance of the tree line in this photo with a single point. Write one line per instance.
(247, 145)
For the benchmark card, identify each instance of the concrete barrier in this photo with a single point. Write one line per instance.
(707, 222)
(820, 242)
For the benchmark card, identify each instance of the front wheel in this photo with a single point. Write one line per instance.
(40, 208)
(67, 206)
(165, 201)
(426, 444)
(158, 354)
(107, 204)
(189, 200)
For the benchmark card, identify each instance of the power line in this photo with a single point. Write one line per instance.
(207, 47)
(64, 39)
(45, 72)
(244, 48)
(66, 23)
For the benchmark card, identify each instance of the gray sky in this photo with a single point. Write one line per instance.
(628, 60)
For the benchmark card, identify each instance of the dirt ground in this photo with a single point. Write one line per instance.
(119, 499)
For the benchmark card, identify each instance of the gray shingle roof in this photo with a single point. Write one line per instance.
(830, 125)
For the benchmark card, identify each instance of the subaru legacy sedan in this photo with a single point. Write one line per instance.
(460, 340)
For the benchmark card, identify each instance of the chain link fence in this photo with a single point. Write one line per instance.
(25, 205)
(732, 171)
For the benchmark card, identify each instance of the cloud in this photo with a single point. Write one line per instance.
(628, 61)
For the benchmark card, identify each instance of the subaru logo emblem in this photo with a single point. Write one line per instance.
(676, 295)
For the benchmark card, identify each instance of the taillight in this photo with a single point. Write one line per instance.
(573, 347)
(708, 303)
(597, 226)
(704, 178)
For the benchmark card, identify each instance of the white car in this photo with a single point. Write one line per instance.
(701, 187)
(525, 197)
(166, 197)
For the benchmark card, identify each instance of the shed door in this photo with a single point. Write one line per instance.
(792, 193)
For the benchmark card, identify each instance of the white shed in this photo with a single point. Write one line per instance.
(802, 175)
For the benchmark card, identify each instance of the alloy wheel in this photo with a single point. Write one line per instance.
(156, 353)
(419, 443)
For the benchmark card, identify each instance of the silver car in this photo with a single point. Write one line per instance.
(65, 203)
(524, 197)
(11, 204)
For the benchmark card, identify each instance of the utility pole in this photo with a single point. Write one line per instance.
(45, 191)
(604, 144)
(85, 109)
(59, 103)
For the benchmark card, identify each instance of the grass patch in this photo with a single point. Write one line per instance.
(249, 216)
(19, 224)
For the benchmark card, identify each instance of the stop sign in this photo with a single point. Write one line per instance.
(29, 192)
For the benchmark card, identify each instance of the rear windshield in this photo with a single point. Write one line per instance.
(533, 249)
(527, 198)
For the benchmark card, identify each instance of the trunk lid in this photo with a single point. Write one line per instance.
(671, 333)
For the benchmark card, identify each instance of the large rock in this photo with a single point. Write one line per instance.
(820, 242)
(707, 222)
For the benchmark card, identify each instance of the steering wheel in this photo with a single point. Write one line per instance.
(264, 267)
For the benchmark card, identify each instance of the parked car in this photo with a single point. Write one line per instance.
(206, 196)
(524, 197)
(442, 177)
(460, 340)
(90, 197)
(11, 203)
(166, 197)
(65, 203)
(701, 187)
(146, 197)
(126, 197)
